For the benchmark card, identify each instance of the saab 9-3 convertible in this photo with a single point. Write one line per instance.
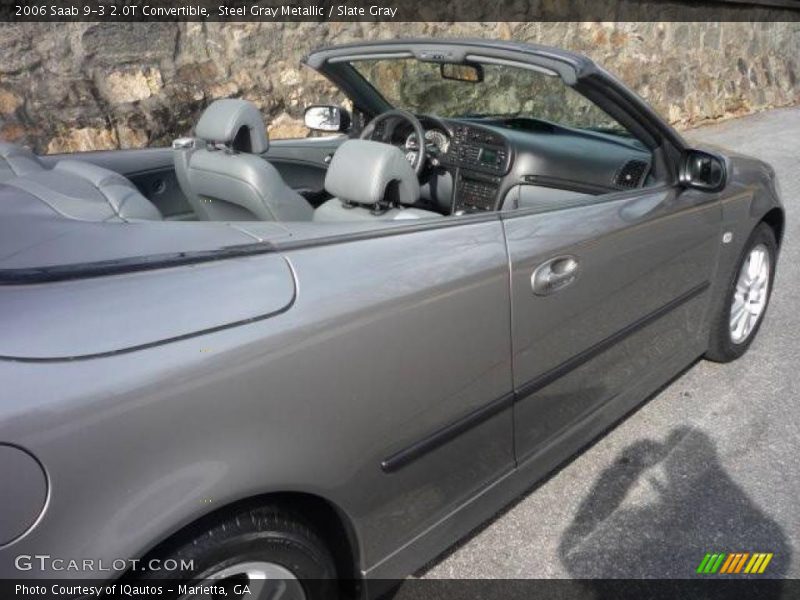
(323, 360)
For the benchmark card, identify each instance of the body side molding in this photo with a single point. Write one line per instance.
(407, 455)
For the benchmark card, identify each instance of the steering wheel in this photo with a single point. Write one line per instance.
(419, 162)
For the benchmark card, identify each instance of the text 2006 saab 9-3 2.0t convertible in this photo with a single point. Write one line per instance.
(330, 357)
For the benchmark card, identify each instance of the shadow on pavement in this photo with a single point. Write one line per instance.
(660, 508)
(642, 531)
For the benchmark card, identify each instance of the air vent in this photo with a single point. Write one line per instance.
(631, 174)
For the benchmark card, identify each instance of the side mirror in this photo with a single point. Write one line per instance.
(703, 171)
(327, 118)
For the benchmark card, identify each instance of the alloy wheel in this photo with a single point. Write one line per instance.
(751, 294)
(264, 581)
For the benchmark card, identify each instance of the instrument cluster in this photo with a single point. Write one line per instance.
(434, 137)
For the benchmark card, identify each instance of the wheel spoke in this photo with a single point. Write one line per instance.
(754, 264)
(737, 318)
(747, 270)
(739, 325)
(742, 330)
(738, 304)
(749, 324)
(257, 585)
(741, 287)
(763, 274)
(737, 313)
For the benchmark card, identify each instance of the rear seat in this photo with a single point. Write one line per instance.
(16, 161)
(77, 189)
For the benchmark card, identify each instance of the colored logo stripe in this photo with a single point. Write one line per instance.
(734, 562)
(703, 563)
(732, 559)
(758, 563)
(710, 563)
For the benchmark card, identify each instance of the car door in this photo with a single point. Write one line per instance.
(607, 295)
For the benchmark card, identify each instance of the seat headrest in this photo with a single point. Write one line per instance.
(235, 123)
(366, 172)
(16, 161)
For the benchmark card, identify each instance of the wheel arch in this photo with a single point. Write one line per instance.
(776, 220)
(327, 519)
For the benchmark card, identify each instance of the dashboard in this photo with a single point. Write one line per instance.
(477, 162)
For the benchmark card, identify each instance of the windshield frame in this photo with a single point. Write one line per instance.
(617, 130)
(577, 71)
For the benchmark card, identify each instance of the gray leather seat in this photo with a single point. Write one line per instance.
(370, 181)
(222, 174)
(16, 161)
(87, 192)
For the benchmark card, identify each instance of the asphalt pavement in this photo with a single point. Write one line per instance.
(711, 463)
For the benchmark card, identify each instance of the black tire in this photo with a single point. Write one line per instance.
(721, 347)
(262, 534)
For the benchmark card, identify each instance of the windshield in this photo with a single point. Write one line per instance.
(506, 92)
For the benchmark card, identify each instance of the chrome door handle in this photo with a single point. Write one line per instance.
(554, 275)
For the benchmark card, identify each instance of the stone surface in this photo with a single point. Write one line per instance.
(84, 86)
(9, 102)
(120, 87)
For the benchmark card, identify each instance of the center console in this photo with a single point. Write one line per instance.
(480, 158)
(475, 192)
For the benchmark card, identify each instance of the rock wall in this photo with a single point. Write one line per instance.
(83, 86)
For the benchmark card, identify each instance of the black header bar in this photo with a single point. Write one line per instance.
(396, 10)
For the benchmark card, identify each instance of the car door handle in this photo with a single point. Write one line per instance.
(554, 275)
(328, 158)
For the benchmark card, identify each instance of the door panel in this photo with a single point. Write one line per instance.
(634, 299)
(303, 163)
(405, 353)
(161, 187)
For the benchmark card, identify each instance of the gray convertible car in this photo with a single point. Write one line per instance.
(312, 365)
